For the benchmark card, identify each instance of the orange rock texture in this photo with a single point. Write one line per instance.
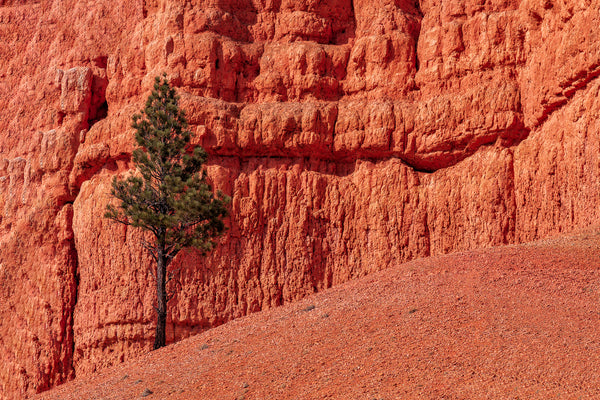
(351, 136)
(507, 322)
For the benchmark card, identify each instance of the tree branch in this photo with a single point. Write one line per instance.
(151, 270)
(178, 284)
(151, 248)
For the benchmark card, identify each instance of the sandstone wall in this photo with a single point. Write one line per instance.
(351, 135)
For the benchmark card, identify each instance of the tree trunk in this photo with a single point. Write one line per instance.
(161, 297)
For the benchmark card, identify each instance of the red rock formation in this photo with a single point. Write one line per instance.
(351, 135)
(515, 321)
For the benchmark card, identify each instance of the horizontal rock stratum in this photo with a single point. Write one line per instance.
(351, 135)
(492, 324)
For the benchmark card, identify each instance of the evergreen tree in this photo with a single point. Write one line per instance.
(170, 196)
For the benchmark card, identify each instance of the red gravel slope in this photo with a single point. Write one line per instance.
(501, 323)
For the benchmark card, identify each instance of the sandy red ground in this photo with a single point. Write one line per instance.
(514, 322)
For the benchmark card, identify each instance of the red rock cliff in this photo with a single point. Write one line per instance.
(351, 135)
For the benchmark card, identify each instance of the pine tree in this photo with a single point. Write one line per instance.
(169, 196)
